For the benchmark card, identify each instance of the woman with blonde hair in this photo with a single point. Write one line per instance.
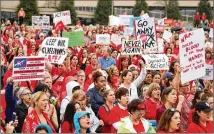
(38, 115)
(113, 77)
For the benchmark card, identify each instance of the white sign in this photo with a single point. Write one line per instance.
(145, 16)
(192, 55)
(211, 33)
(209, 73)
(55, 49)
(63, 16)
(28, 68)
(167, 35)
(145, 31)
(41, 22)
(113, 20)
(160, 45)
(125, 19)
(156, 62)
(103, 39)
(131, 47)
(161, 21)
(128, 31)
(115, 38)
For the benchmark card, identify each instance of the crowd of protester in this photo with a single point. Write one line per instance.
(98, 90)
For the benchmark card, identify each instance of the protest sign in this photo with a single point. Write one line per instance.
(156, 62)
(209, 73)
(28, 68)
(211, 33)
(114, 20)
(145, 16)
(145, 31)
(75, 38)
(131, 47)
(63, 16)
(125, 19)
(115, 38)
(192, 55)
(160, 45)
(103, 39)
(159, 28)
(161, 21)
(128, 31)
(132, 19)
(41, 22)
(55, 49)
(167, 35)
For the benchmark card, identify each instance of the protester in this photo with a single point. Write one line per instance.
(134, 123)
(82, 122)
(170, 122)
(200, 118)
(197, 19)
(21, 16)
(42, 129)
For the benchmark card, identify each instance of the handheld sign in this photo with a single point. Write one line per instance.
(28, 68)
(125, 19)
(128, 31)
(211, 33)
(167, 35)
(114, 20)
(145, 31)
(63, 16)
(209, 73)
(131, 47)
(192, 55)
(156, 62)
(55, 49)
(41, 22)
(103, 39)
(115, 38)
(75, 38)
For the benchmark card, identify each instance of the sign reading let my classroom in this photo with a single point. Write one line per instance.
(75, 38)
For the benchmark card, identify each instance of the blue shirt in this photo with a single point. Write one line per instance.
(106, 62)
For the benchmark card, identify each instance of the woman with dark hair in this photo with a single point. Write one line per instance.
(170, 122)
(146, 82)
(67, 124)
(134, 123)
(123, 63)
(169, 99)
(200, 119)
(195, 100)
(119, 111)
(173, 67)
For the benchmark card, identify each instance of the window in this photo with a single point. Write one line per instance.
(80, 8)
(83, 8)
(88, 9)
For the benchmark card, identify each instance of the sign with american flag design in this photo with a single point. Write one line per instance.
(28, 68)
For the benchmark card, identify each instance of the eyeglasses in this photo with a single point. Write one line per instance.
(27, 94)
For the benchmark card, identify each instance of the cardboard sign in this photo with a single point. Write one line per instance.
(115, 38)
(63, 16)
(128, 31)
(125, 19)
(209, 73)
(28, 68)
(131, 47)
(156, 62)
(145, 31)
(211, 33)
(114, 20)
(75, 38)
(192, 55)
(167, 35)
(103, 39)
(41, 22)
(55, 49)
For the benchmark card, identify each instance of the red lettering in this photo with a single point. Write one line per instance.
(186, 36)
(195, 57)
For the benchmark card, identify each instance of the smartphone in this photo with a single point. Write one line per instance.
(14, 117)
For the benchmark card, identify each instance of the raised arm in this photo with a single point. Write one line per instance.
(142, 75)
(177, 79)
(48, 66)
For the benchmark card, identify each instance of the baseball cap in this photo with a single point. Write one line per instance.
(168, 75)
(203, 106)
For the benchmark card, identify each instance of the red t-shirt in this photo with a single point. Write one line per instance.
(195, 128)
(139, 128)
(197, 17)
(115, 115)
(66, 127)
(203, 17)
(190, 115)
(151, 108)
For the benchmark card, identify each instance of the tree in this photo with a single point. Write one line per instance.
(68, 5)
(30, 8)
(204, 7)
(104, 8)
(139, 6)
(172, 10)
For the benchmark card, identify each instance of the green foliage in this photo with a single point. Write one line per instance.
(204, 6)
(68, 5)
(104, 8)
(139, 6)
(172, 10)
(30, 8)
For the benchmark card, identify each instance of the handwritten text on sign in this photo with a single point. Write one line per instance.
(145, 31)
(192, 55)
(63, 16)
(209, 73)
(131, 47)
(156, 61)
(103, 39)
(55, 49)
